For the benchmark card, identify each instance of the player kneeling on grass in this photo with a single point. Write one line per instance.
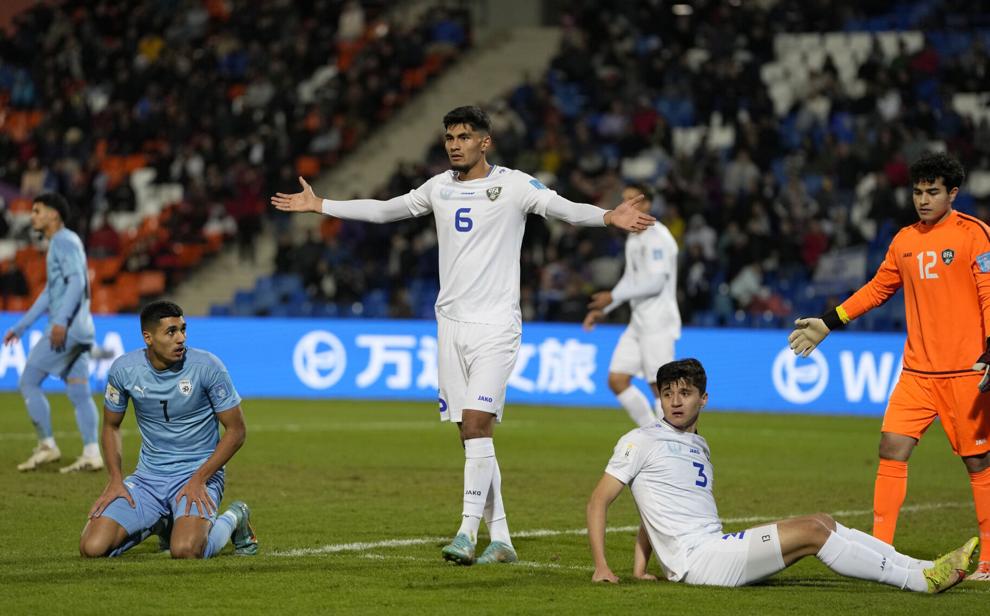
(668, 468)
(180, 397)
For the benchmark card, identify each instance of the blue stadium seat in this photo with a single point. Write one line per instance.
(219, 310)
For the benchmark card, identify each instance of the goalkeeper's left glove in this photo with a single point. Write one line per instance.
(983, 365)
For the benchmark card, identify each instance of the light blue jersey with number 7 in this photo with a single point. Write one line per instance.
(176, 408)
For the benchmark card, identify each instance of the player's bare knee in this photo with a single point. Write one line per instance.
(976, 464)
(186, 549)
(896, 447)
(826, 520)
(91, 546)
(619, 382)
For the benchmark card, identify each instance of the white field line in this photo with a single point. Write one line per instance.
(521, 563)
(362, 546)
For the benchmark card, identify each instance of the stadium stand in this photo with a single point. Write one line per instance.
(779, 157)
(167, 124)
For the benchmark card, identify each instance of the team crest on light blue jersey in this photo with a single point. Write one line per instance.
(493, 192)
(185, 387)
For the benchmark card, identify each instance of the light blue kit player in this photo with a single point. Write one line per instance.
(180, 397)
(64, 351)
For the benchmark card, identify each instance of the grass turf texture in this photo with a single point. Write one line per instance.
(320, 474)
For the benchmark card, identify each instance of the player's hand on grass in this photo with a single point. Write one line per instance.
(593, 317)
(113, 491)
(57, 337)
(807, 335)
(604, 575)
(195, 492)
(303, 201)
(626, 217)
(983, 365)
(9, 337)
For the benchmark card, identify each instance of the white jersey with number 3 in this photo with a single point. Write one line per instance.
(480, 226)
(670, 475)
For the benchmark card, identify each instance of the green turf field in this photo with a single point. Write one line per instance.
(353, 500)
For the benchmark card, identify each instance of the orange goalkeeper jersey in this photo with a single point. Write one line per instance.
(945, 271)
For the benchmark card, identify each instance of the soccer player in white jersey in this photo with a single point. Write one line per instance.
(64, 350)
(180, 397)
(649, 284)
(668, 468)
(480, 211)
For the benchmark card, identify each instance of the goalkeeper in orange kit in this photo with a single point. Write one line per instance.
(943, 263)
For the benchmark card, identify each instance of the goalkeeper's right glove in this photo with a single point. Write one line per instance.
(983, 365)
(808, 333)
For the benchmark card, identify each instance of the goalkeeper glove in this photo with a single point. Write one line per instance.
(808, 333)
(983, 365)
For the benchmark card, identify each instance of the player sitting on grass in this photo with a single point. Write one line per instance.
(180, 396)
(669, 471)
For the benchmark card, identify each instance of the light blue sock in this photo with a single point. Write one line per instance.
(87, 417)
(37, 403)
(220, 534)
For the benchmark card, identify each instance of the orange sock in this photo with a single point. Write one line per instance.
(981, 499)
(888, 496)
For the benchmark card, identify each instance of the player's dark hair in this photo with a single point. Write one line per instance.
(643, 188)
(688, 370)
(156, 311)
(58, 203)
(934, 165)
(470, 115)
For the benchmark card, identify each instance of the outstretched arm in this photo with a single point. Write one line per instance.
(606, 491)
(39, 306)
(368, 210)
(625, 216)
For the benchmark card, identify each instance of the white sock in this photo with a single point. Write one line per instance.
(48, 442)
(91, 450)
(636, 404)
(884, 548)
(479, 466)
(498, 526)
(859, 561)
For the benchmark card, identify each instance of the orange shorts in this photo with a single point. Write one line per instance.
(957, 401)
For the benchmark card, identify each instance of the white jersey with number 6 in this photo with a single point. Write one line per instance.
(480, 226)
(670, 475)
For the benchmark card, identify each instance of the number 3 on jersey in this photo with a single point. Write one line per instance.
(702, 480)
(461, 221)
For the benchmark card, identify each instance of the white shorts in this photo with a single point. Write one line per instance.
(736, 559)
(641, 355)
(474, 362)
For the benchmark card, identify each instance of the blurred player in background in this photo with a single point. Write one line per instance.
(649, 284)
(180, 397)
(943, 263)
(668, 469)
(480, 211)
(64, 350)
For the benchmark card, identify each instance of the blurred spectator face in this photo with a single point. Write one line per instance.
(465, 146)
(932, 201)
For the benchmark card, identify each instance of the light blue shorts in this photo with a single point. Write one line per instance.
(72, 362)
(154, 498)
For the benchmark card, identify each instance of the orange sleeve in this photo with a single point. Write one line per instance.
(981, 273)
(884, 284)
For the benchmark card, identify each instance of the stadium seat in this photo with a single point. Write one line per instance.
(219, 310)
(151, 282)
